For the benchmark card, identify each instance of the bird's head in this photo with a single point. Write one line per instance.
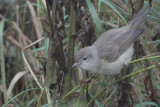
(85, 58)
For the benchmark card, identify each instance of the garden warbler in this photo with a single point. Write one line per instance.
(113, 49)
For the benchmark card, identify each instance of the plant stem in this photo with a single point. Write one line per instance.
(138, 60)
(88, 80)
(69, 93)
(40, 96)
(126, 76)
(71, 42)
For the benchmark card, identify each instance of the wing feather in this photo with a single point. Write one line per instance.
(111, 46)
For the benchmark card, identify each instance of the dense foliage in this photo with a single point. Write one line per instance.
(38, 42)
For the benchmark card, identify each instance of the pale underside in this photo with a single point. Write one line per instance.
(102, 66)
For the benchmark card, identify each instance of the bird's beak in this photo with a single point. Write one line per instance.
(76, 64)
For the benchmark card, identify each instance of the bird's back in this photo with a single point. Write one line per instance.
(113, 43)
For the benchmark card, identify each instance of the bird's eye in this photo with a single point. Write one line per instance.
(84, 58)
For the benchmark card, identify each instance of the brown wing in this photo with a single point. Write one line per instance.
(111, 45)
(130, 38)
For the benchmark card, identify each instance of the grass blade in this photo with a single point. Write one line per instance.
(94, 15)
(144, 104)
(3, 61)
(107, 2)
(19, 95)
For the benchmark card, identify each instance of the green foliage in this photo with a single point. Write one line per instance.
(3, 72)
(95, 16)
(104, 14)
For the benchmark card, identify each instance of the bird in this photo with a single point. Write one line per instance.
(114, 48)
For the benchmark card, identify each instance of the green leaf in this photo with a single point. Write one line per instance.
(3, 74)
(95, 16)
(38, 49)
(96, 101)
(42, 4)
(99, 5)
(31, 102)
(47, 47)
(23, 5)
(110, 4)
(19, 95)
(46, 105)
(144, 104)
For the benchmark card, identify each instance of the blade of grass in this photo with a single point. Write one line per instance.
(144, 104)
(29, 104)
(41, 3)
(36, 23)
(121, 10)
(22, 6)
(139, 93)
(26, 93)
(110, 4)
(38, 49)
(46, 105)
(99, 5)
(14, 81)
(27, 64)
(94, 15)
(3, 61)
(47, 46)
(19, 95)
(98, 104)
(40, 97)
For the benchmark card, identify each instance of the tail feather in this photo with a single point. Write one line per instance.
(140, 17)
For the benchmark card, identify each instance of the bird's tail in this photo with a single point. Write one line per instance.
(140, 17)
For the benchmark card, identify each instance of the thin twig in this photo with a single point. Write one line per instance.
(141, 59)
(25, 60)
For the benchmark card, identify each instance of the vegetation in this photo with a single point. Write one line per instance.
(38, 42)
